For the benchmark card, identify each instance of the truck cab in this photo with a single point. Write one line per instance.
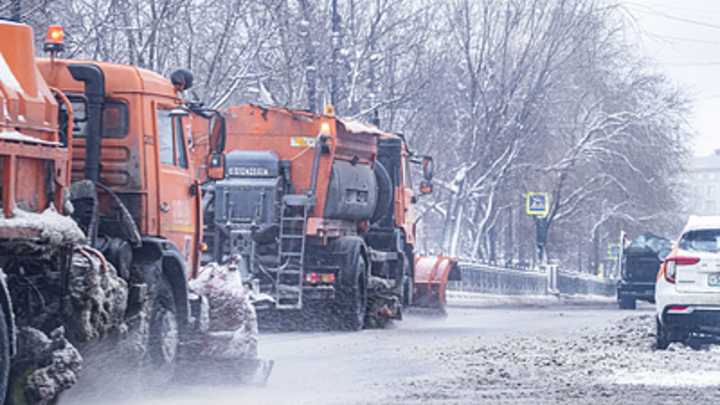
(133, 185)
(143, 148)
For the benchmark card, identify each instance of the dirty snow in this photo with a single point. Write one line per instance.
(97, 297)
(617, 365)
(56, 363)
(55, 229)
(231, 312)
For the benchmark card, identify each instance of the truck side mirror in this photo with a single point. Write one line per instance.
(428, 168)
(217, 133)
(216, 166)
(426, 187)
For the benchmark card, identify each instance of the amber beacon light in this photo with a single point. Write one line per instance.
(54, 39)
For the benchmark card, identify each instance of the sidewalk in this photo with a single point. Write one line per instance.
(477, 300)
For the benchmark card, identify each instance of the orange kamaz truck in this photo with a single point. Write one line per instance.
(318, 211)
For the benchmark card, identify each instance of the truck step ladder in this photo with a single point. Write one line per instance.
(291, 251)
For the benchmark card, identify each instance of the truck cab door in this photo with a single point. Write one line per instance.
(178, 214)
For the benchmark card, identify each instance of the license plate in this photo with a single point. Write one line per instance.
(714, 280)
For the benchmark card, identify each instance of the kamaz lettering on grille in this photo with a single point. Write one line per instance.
(248, 171)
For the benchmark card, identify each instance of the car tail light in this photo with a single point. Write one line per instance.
(671, 264)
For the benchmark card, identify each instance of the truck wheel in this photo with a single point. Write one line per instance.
(407, 284)
(662, 340)
(626, 302)
(163, 334)
(4, 356)
(353, 300)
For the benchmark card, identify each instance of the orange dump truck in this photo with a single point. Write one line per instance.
(318, 211)
(101, 224)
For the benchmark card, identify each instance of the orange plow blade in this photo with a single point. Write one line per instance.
(431, 277)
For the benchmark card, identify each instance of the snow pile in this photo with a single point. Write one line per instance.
(233, 322)
(54, 229)
(617, 365)
(96, 299)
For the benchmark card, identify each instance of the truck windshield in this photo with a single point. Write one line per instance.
(705, 240)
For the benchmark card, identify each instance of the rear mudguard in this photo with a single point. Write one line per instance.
(430, 281)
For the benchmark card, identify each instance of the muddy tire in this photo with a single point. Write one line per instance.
(164, 336)
(353, 299)
(4, 356)
(407, 285)
(662, 339)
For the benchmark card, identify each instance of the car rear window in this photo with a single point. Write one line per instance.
(703, 240)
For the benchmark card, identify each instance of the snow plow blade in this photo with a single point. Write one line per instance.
(431, 277)
(194, 360)
(223, 345)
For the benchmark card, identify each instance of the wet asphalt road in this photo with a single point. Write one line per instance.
(398, 364)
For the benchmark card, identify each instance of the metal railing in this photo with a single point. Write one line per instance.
(488, 279)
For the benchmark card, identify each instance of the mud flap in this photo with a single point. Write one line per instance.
(431, 277)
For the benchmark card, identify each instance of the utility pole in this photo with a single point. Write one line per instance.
(335, 45)
(541, 228)
(509, 247)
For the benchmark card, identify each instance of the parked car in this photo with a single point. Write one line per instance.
(640, 260)
(687, 291)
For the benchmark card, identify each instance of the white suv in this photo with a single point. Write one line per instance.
(687, 290)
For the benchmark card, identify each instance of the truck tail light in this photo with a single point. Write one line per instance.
(317, 278)
(671, 264)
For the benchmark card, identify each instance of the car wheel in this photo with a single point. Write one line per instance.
(662, 339)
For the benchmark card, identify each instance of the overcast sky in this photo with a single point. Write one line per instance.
(684, 37)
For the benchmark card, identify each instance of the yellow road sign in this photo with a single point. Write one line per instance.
(537, 204)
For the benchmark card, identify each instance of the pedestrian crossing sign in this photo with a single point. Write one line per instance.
(537, 204)
(614, 251)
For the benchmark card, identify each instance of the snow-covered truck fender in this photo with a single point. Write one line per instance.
(430, 280)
